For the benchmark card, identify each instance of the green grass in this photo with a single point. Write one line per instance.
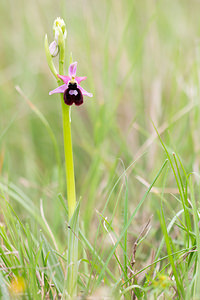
(136, 150)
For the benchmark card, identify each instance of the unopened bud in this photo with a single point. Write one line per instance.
(59, 27)
(54, 49)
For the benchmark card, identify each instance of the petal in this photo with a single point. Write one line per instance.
(84, 92)
(72, 69)
(60, 89)
(65, 79)
(79, 79)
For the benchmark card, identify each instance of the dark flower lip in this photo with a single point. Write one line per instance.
(73, 92)
(73, 95)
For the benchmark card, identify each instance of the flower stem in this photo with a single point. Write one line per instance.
(69, 163)
(72, 270)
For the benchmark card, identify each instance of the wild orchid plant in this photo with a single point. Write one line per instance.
(71, 92)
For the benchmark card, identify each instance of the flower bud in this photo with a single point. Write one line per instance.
(54, 49)
(59, 30)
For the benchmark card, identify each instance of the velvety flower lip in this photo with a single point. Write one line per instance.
(71, 88)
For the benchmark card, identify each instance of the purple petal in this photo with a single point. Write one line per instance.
(79, 79)
(65, 79)
(72, 69)
(60, 89)
(84, 92)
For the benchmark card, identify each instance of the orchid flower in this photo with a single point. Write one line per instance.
(71, 89)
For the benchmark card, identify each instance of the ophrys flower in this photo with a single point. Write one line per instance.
(71, 89)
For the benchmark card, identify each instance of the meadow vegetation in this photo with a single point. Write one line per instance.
(136, 150)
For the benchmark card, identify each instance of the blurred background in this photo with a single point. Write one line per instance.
(142, 62)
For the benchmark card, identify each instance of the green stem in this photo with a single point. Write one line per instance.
(69, 164)
(72, 269)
